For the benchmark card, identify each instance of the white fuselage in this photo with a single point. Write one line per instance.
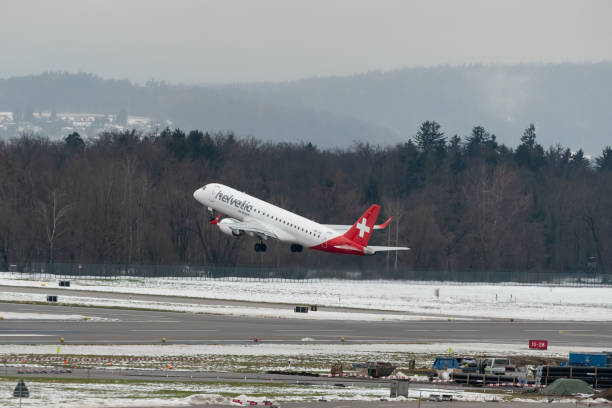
(288, 227)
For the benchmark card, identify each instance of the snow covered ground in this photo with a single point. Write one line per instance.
(78, 393)
(267, 312)
(165, 394)
(48, 316)
(469, 301)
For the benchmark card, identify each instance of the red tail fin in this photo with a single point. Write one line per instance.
(362, 229)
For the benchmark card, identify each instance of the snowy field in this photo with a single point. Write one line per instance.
(312, 357)
(49, 316)
(429, 300)
(264, 312)
(164, 394)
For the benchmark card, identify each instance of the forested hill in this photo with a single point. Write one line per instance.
(569, 103)
(459, 203)
(211, 108)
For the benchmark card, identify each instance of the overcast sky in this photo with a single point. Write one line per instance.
(274, 40)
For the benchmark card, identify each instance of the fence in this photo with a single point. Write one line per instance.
(238, 273)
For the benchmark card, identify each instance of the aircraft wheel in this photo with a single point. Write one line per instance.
(296, 248)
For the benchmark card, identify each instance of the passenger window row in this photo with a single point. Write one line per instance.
(287, 223)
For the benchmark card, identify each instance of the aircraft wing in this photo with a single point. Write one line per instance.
(343, 228)
(386, 248)
(253, 227)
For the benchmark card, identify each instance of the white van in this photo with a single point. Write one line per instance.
(497, 366)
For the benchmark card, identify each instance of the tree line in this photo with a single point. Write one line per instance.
(460, 203)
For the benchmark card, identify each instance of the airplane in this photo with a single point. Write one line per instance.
(248, 215)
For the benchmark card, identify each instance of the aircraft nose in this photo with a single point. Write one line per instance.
(198, 194)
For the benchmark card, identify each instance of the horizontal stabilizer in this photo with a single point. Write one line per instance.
(387, 248)
(343, 228)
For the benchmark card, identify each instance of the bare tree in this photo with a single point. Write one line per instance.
(495, 204)
(53, 213)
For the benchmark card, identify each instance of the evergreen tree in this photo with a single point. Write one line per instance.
(529, 136)
(195, 140)
(480, 141)
(429, 137)
(177, 144)
(457, 163)
(604, 162)
(74, 142)
(578, 160)
(529, 153)
(208, 147)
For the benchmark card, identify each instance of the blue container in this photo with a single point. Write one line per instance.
(443, 363)
(590, 359)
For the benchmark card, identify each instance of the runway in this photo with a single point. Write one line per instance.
(148, 327)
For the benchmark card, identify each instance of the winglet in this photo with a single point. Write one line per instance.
(384, 224)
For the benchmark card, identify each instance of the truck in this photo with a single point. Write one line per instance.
(465, 364)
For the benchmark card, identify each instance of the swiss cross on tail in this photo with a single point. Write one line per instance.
(362, 229)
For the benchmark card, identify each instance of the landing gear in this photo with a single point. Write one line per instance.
(260, 247)
(296, 248)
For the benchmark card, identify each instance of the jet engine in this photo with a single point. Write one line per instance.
(224, 227)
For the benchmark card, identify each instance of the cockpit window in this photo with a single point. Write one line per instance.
(203, 187)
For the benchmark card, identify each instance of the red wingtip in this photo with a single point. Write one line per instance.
(215, 221)
(384, 224)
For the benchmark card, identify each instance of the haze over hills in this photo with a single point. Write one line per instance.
(569, 103)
